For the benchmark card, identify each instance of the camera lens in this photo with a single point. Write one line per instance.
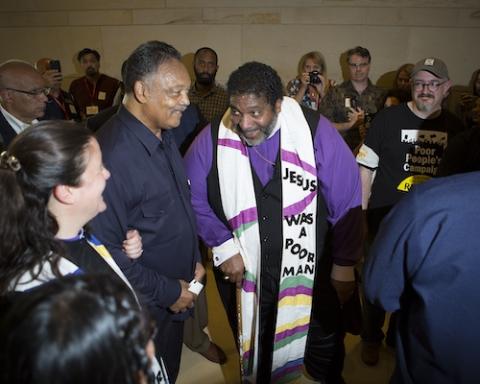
(314, 77)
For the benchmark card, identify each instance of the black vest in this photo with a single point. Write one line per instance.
(269, 209)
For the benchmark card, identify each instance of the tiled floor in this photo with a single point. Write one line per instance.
(196, 369)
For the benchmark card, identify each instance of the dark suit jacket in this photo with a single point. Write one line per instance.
(7, 133)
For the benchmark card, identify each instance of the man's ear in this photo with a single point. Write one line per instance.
(141, 91)
(448, 86)
(5, 96)
(278, 106)
(64, 194)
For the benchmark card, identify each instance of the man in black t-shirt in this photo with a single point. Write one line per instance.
(403, 147)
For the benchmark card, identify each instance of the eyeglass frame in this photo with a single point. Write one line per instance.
(419, 85)
(45, 91)
(358, 65)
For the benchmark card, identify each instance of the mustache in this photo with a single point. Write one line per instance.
(429, 95)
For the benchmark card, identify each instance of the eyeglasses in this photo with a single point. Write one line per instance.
(359, 65)
(432, 85)
(45, 91)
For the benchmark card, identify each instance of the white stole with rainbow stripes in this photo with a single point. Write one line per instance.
(299, 191)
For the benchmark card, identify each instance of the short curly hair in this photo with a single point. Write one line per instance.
(258, 79)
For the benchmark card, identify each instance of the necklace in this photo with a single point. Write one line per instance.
(262, 157)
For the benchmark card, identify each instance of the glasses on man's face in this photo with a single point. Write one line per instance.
(358, 66)
(34, 92)
(431, 85)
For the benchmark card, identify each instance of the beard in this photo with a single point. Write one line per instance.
(90, 71)
(205, 78)
(424, 107)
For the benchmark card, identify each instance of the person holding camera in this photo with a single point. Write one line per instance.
(351, 105)
(60, 104)
(311, 85)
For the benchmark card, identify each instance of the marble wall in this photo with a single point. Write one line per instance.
(277, 32)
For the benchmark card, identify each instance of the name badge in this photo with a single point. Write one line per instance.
(92, 109)
(72, 108)
(102, 95)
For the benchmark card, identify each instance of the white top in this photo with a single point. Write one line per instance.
(17, 125)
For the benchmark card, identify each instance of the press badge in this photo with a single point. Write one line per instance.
(92, 109)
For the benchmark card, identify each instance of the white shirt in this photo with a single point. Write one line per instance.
(17, 125)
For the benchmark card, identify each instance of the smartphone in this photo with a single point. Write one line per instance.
(54, 64)
(348, 102)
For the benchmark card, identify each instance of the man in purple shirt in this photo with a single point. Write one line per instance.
(259, 117)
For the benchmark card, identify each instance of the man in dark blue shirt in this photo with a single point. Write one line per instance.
(148, 191)
(424, 263)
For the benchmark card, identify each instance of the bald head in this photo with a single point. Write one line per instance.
(17, 73)
(21, 90)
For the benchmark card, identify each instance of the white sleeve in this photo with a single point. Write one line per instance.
(367, 157)
(224, 251)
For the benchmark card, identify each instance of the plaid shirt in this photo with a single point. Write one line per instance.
(212, 104)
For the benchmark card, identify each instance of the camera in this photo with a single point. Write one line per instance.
(54, 64)
(314, 77)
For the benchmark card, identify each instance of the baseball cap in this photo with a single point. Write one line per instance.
(433, 65)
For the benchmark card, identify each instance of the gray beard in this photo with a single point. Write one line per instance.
(423, 107)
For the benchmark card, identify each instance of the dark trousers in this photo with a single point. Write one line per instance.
(325, 352)
(228, 295)
(268, 318)
(168, 345)
(194, 336)
(374, 316)
(373, 320)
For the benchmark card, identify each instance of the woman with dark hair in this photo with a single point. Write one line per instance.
(401, 92)
(402, 77)
(76, 329)
(470, 102)
(51, 184)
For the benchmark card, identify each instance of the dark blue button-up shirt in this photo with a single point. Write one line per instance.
(147, 191)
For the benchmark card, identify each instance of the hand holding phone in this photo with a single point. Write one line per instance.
(54, 64)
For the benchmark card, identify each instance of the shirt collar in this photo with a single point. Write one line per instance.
(352, 88)
(146, 137)
(17, 125)
(80, 235)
